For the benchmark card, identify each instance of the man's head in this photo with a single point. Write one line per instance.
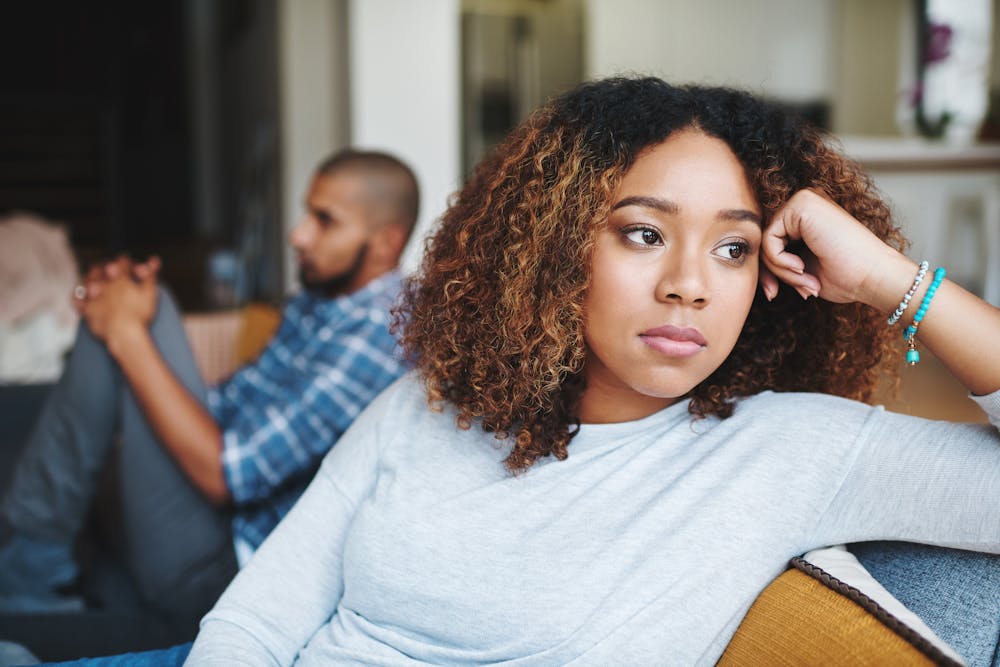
(360, 210)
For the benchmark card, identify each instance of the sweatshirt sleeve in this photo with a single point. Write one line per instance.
(294, 582)
(990, 403)
(920, 480)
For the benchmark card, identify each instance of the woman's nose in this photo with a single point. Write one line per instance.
(684, 279)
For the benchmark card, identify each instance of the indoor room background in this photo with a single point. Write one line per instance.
(191, 127)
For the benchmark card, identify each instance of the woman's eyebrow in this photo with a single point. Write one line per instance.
(658, 203)
(740, 215)
(667, 206)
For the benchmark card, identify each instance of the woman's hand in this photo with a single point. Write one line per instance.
(820, 249)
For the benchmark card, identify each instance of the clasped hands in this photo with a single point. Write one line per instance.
(118, 297)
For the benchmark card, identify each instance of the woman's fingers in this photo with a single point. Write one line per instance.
(775, 248)
(768, 282)
(783, 264)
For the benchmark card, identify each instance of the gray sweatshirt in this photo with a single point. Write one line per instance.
(647, 545)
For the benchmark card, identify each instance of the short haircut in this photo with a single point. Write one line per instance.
(392, 185)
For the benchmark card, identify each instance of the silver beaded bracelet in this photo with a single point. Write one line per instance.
(924, 265)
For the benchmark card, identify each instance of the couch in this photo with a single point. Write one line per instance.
(823, 610)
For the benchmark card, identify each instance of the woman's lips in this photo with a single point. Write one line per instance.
(674, 341)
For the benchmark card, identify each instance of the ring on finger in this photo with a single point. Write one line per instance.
(80, 292)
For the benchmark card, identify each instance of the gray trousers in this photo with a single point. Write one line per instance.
(178, 547)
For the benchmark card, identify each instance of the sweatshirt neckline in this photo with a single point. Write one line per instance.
(591, 435)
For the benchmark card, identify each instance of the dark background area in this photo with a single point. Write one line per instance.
(116, 118)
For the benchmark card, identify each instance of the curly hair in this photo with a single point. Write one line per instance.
(494, 318)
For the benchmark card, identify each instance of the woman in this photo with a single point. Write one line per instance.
(601, 328)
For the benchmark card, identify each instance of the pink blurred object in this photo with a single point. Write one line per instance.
(37, 320)
(37, 269)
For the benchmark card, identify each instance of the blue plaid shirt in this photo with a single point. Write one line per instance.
(281, 414)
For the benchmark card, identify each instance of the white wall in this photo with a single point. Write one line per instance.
(313, 122)
(401, 59)
(376, 74)
(780, 48)
(404, 72)
(871, 60)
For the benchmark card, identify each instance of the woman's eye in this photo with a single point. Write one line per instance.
(644, 236)
(735, 251)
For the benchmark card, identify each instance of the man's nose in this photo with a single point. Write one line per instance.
(299, 236)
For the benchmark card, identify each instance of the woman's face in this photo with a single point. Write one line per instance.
(673, 276)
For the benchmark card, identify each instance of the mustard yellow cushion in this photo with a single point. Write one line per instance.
(225, 340)
(800, 620)
(259, 324)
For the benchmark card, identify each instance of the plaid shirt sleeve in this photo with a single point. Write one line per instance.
(301, 395)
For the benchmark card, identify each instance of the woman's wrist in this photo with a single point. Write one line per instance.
(892, 280)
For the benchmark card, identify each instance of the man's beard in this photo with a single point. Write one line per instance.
(334, 285)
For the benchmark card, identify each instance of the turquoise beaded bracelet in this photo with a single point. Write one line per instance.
(910, 333)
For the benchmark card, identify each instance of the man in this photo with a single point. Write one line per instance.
(206, 474)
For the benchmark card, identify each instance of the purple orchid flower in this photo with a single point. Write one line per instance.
(938, 46)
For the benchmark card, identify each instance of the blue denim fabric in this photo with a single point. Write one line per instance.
(15, 654)
(32, 571)
(167, 657)
(956, 593)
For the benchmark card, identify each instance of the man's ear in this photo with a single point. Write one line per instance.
(388, 243)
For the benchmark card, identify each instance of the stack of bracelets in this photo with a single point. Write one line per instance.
(910, 332)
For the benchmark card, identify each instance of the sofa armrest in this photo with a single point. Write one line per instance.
(213, 342)
(225, 340)
(807, 616)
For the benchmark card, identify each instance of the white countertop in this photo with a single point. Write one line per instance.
(916, 153)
